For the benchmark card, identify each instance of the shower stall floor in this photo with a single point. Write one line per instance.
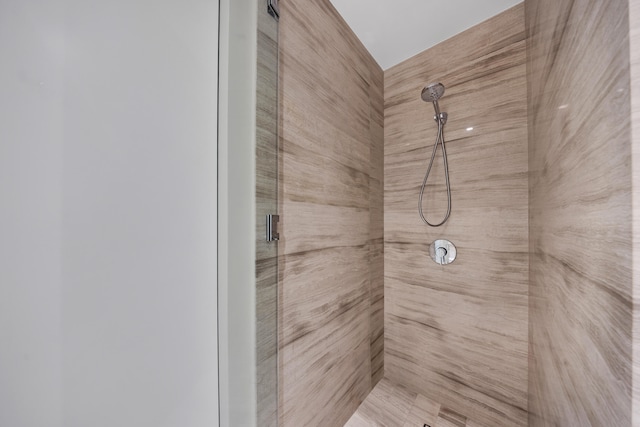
(392, 405)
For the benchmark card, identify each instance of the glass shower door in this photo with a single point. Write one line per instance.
(266, 214)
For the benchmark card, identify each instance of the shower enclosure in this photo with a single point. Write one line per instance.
(532, 324)
(267, 235)
(248, 165)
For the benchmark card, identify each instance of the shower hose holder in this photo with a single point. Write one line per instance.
(441, 118)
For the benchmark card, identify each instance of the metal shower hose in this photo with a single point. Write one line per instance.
(439, 140)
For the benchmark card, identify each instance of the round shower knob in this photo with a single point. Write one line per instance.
(442, 252)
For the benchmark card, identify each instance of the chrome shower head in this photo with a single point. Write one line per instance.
(432, 92)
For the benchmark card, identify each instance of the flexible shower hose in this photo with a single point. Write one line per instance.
(439, 140)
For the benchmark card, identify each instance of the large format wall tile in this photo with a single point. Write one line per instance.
(634, 31)
(458, 334)
(392, 405)
(330, 261)
(376, 222)
(580, 213)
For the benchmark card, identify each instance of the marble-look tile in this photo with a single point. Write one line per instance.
(449, 418)
(634, 36)
(358, 420)
(330, 199)
(387, 405)
(580, 213)
(424, 411)
(376, 222)
(392, 405)
(457, 335)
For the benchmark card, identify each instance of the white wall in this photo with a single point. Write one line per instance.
(108, 213)
(31, 150)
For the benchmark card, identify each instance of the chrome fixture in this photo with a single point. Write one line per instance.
(443, 252)
(272, 228)
(273, 8)
(432, 93)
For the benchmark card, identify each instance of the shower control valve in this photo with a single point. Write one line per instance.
(442, 252)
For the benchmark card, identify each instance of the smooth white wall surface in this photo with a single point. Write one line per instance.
(31, 151)
(237, 198)
(108, 213)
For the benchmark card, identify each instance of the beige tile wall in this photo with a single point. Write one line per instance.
(580, 213)
(458, 334)
(634, 24)
(330, 262)
(376, 224)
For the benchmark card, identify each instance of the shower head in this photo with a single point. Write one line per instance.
(433, 92)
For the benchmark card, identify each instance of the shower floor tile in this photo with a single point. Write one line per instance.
(392, 405)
